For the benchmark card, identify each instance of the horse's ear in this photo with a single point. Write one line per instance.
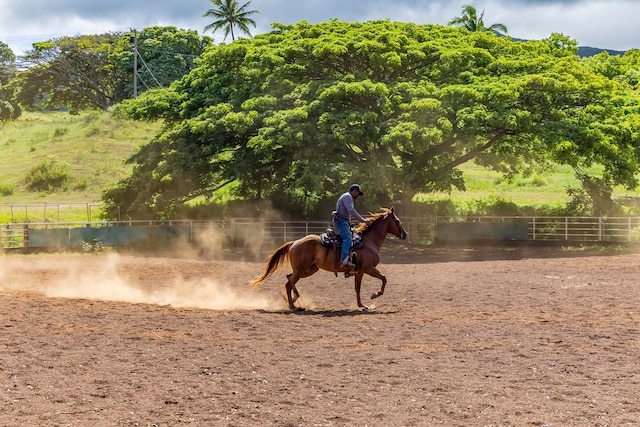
(391, 209)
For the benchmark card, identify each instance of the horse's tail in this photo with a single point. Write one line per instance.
(275, 261)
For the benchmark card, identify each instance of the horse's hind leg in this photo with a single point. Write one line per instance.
(290, 287)
(292, 279)
(296, 294)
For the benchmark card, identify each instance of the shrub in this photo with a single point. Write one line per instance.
(48, 175)
(60, 132)
(538, 180)
(6, 190)
(81, 185)
(94, 246)
(92, 130)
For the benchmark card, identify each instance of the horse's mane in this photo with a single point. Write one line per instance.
(363, 226)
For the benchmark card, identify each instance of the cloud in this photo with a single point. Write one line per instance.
(599, 23)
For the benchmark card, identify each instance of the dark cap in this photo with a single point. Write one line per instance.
(356, 187)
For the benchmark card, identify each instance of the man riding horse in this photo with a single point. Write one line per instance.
(345, 211)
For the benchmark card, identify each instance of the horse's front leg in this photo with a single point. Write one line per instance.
(373, 272)
(358, 284)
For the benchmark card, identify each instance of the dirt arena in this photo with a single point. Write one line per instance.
(484, 337)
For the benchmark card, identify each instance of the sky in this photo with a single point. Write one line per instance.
(605, 24)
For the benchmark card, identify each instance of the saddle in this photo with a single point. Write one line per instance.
(331, 239)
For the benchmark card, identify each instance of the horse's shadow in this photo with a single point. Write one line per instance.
(330, 313)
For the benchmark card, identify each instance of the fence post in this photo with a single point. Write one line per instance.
(533, 231)
(600, 229)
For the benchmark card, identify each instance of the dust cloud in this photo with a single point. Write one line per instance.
(135, 280)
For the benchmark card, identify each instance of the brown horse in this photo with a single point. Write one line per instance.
(307, 255)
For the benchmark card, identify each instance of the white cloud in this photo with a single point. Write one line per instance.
(599, 23)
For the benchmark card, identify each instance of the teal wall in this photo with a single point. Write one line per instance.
(108, 236)
(471, 231)
(50, 238)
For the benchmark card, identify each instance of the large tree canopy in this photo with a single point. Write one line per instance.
(73, 72)
(9, 108)
(96, 71)
(296, 114)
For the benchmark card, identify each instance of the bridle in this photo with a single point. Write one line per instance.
(403, 233)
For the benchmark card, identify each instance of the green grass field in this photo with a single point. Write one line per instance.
(95, 146)
(549, 188)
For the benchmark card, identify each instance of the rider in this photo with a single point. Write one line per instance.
(345, 210)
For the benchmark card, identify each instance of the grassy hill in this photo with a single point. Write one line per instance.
(95, 146)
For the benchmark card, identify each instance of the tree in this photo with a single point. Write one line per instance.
(295, 115)
(613, 141)
(165, 53)
(9, 108)
(230, 14)
(96, 71)
(7, 63)
(472, 22)
(73, 72)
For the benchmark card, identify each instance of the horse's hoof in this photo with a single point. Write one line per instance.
(376, 295)
(297, 308)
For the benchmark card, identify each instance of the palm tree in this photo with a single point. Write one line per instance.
(470, 20)
(228, 15)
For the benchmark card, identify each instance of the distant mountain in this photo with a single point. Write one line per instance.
(585, 51)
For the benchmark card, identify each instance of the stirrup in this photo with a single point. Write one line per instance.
(347, 264)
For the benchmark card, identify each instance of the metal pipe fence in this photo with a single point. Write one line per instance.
(576, 229)
(421, 230)
(48, 211)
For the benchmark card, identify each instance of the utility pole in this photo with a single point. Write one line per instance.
(135, 64)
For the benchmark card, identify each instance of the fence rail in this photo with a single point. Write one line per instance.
(580, 229)
(421, 230)
(48, 211)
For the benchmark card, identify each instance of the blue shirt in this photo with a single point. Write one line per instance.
(345, 208)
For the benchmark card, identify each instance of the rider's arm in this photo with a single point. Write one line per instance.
(353, 211)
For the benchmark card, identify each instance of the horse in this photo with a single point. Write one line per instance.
(308, 255)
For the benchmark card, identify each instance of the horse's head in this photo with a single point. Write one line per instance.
(387, 222)
(398, 229)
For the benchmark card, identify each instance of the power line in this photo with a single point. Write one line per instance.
(136, 74)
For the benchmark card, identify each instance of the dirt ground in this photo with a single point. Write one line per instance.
(483, 337)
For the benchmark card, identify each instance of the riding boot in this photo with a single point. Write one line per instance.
(346, 263)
